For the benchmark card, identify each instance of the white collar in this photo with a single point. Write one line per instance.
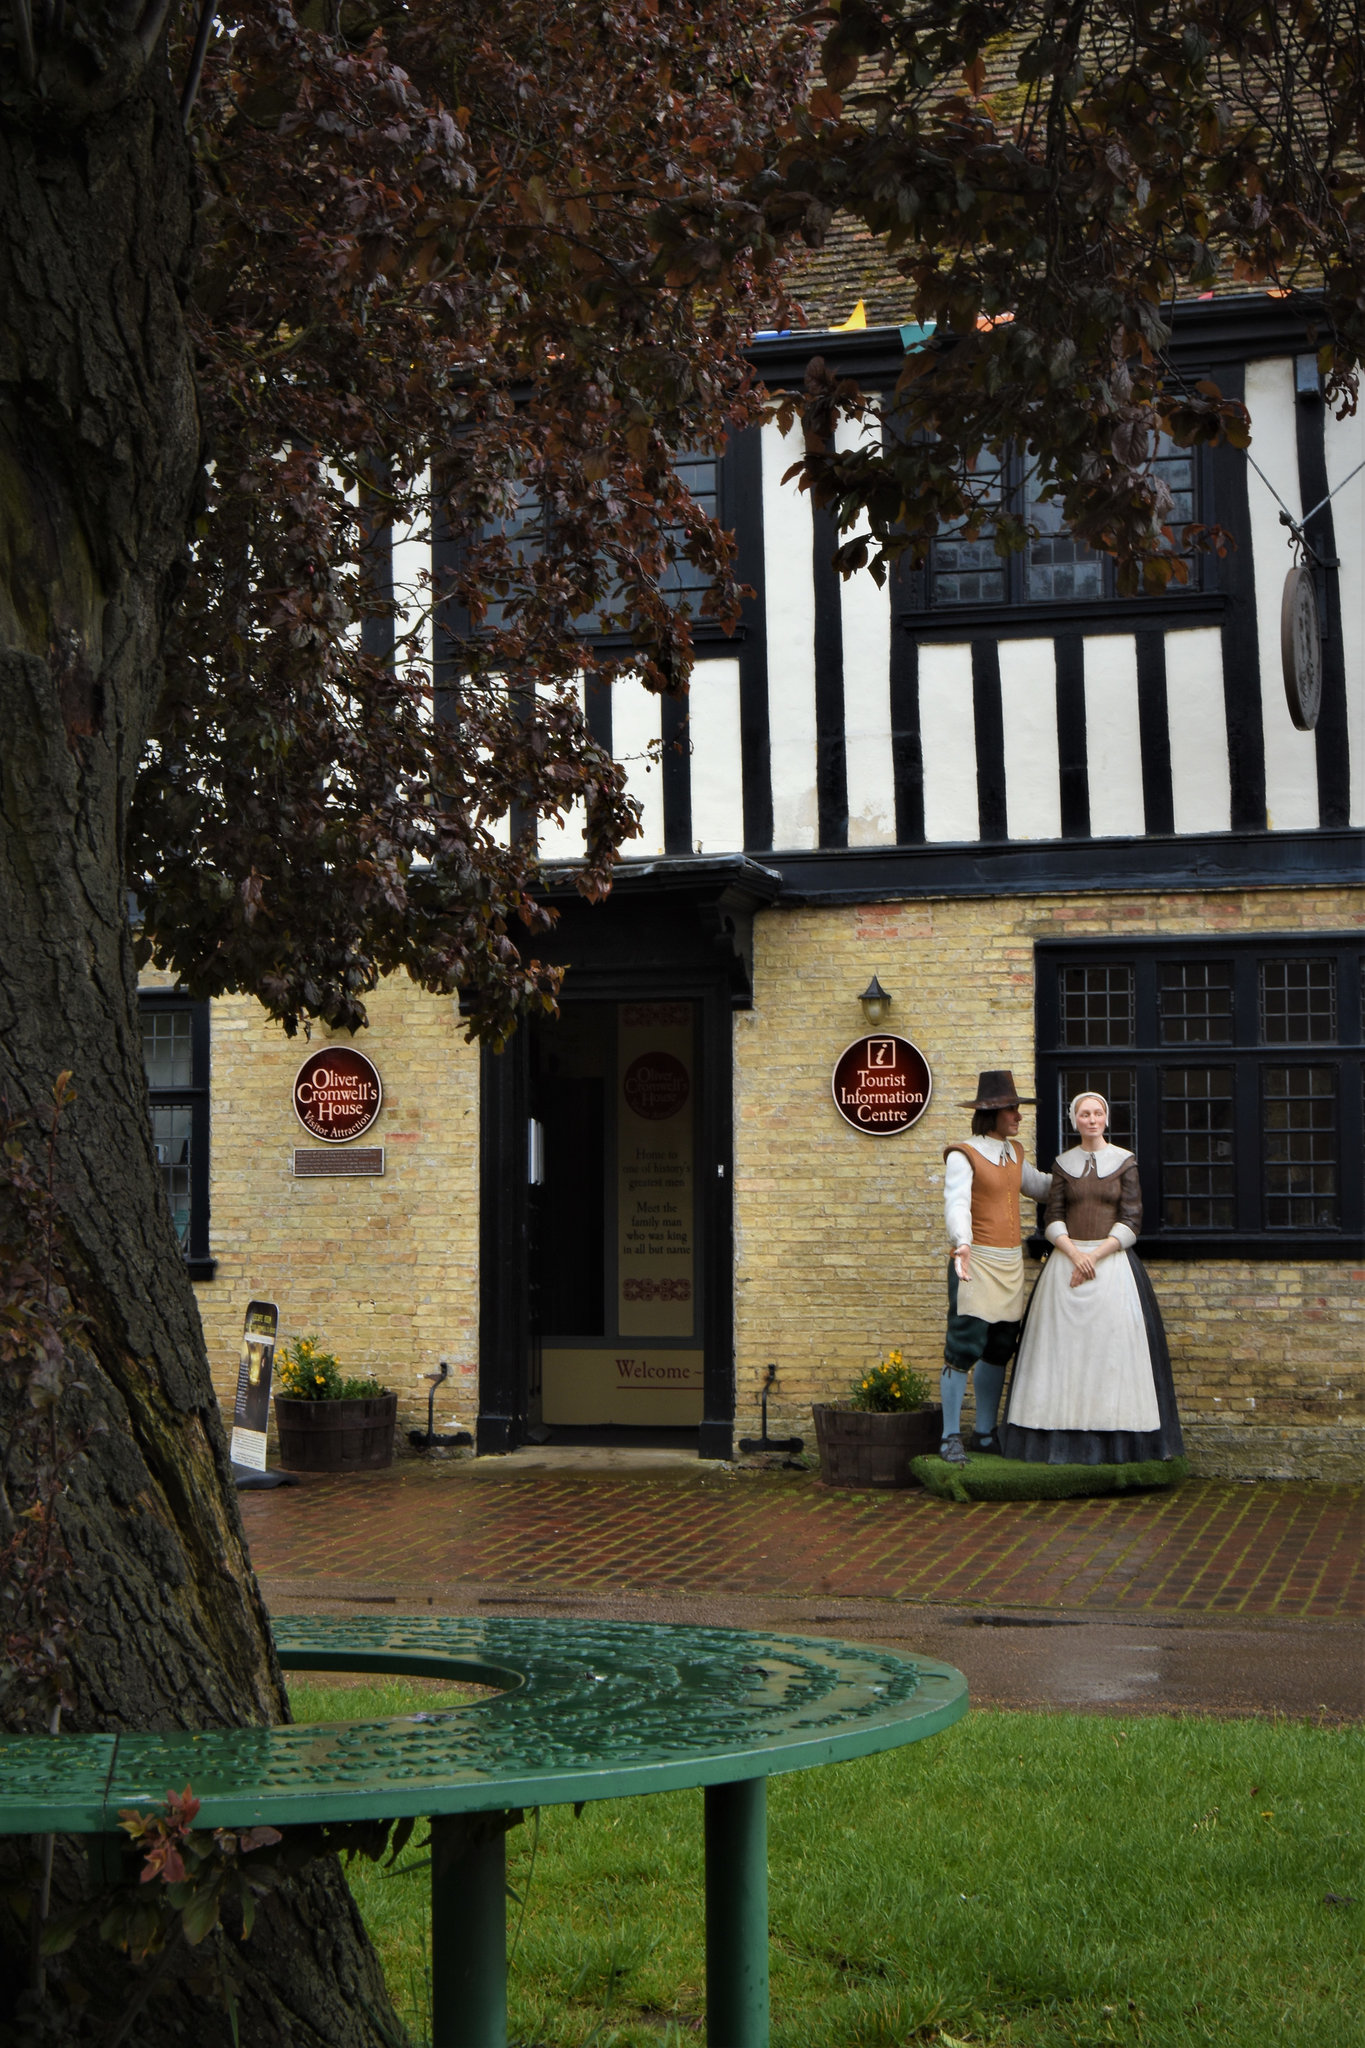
(997, 1150)
(1107, 1160)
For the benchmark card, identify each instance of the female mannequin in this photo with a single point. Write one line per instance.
(1092, 1383)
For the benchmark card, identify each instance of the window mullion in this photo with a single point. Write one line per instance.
(1248, 1128)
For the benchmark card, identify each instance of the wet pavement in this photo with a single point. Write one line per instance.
(1215, 1598)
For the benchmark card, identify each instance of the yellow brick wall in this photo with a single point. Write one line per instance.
(840, 1248)
(839, 1237)
(385, 1270)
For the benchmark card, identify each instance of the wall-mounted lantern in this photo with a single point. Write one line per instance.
(875, 1001)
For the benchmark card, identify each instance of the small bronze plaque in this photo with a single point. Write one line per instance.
(310, 1165)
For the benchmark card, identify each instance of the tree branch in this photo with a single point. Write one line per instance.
(151, 24)
(23, 36)
(196, 70)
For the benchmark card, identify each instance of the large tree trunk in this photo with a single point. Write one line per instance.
(99, 451)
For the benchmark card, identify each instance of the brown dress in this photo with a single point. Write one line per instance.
(1092, 1381)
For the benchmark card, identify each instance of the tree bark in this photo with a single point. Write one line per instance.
(99, 454)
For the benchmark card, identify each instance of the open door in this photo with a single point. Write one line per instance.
(616, 1276)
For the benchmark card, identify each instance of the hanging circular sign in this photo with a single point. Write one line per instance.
(881, 1085)
(1301, 647)
(337, 1094)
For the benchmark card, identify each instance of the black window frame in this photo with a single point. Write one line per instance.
(193, 1095)
(1249, 1057)
(705, 631)
(1200, 601)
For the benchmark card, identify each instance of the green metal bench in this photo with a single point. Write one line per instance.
(589, 1710)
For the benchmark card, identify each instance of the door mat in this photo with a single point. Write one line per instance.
(1017, 1479)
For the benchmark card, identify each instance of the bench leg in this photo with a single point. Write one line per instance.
(737, 1914)
(469, 1930)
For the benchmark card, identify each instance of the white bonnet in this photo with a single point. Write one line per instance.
(1086, 1095)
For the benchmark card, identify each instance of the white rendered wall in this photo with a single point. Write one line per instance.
(635, 737)
(1028, 702)
(1201, 784)
(411, 553)
(866, 621)
(1345, 448)
(1113, 737)
(563, 839)
(1291, 765)
(713, 724)
(948, 743)
(788, 555)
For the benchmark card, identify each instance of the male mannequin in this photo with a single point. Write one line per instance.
(982, 1184)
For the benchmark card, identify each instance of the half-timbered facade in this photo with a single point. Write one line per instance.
(1070, 832)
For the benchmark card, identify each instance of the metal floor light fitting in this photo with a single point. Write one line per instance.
(749, 1445)
(426, 1439)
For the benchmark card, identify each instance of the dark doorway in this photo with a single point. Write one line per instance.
(617, 1212)
(606, 1240)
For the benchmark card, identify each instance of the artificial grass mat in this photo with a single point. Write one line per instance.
(1017, 1479)
(1020, 1880)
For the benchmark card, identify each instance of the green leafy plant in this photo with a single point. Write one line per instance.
(308, 1373)
(203, 1884)
(889, 1387)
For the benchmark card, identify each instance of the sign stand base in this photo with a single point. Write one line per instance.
(246, 1478)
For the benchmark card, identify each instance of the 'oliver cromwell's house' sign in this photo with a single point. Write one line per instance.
(337, 1094)
(882, 1085)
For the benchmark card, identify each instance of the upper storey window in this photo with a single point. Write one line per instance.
(1055, 568)
(529, 531)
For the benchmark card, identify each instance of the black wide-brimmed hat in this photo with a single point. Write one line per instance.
(996, 1090)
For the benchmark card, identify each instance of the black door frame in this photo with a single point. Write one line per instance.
(672, 931)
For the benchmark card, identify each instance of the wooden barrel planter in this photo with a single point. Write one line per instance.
(859, 1448)
(336, 1436)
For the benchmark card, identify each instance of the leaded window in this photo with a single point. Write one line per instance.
(1299, 1167)
(1196, 1002)
(1198, 1178)
(1234, 1069)
(175, 1057)
(1055, 567)
(1298, 1002)
(1097, 1005)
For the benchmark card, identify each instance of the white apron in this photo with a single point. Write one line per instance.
(995, 1291)
(1083, 1362)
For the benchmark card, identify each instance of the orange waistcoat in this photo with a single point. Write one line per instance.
(995, 1197)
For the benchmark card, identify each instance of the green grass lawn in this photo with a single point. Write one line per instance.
(1036, 1880)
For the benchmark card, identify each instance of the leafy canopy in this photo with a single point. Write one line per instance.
(1048, 177)
(453, 259)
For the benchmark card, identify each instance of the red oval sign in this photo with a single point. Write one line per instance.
(881, 1085)
(656, 1085)
(337, 1094)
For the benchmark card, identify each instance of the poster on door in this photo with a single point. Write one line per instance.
(656, 1249)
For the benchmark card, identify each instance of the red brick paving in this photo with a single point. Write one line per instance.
(1293, 1551)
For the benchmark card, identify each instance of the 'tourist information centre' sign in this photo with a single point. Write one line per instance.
(881, 1085)
(337, 1094)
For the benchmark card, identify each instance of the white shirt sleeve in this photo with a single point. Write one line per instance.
(957, 1200)
(1037, 1186)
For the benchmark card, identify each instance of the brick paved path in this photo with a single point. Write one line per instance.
(1285, 1550)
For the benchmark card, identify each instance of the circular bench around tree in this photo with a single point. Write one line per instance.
(586, 1710)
